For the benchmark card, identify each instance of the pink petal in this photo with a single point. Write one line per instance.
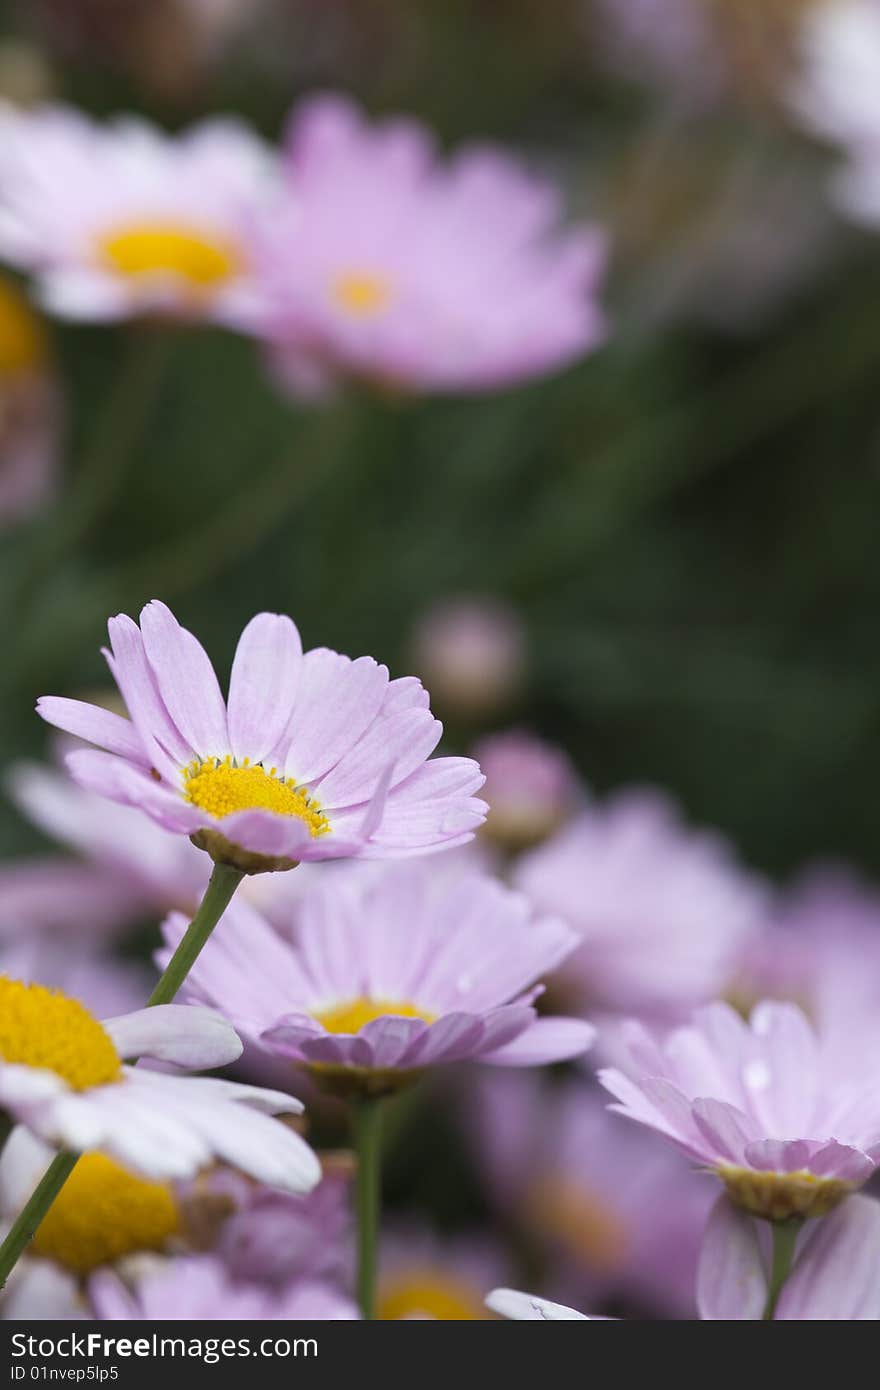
(547, 1040)
(338, 700)
(186, 680)
(95, 725)
(263, 685)
(731, 1280)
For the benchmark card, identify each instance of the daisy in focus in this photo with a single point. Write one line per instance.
(313, 756)
(764, 1104)
(63, 1076)
(394, 267)
(382, 980)
(121, 220)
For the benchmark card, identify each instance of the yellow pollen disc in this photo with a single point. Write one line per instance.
(154, 248)
(42, 1028)
(22, 339)
(362, 294)
(429, 1294)
(220, 788)
(351, 1016)
(103, 1213)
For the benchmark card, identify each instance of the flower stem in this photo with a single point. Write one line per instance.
(223, 883)
(218, 894)
(22, 1230)
(367, 1126)
(785, 1234)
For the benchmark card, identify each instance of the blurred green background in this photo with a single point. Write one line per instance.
(686, 521)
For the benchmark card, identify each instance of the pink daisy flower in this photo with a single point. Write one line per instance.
(390, 266)
(120, 220)
(313, 756)
(763, 1103)
(385, 979)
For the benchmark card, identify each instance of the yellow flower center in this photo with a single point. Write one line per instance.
(361, 294)
(581, 1221)
(42, 1028)
(222, 787)
(157, 248)
(103, 1213)
(778, 1196)
(22, 340)
(351, 1016)
(426, 1293)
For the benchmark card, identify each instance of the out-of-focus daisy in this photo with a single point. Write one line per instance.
(764, 1104)
(423, 1278)
(419, 275)
(385, 979)
(120, 220)
(835, 1274)
(837, 95)
(663, 911)
(201, 1289)
(63, 1076)
(29, 409)
(531, 787)
(313, 756)
(277, 1238)
(619, 1214)
(472, 652)
(820, 949)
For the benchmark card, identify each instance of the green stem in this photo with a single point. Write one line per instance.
(22, 1230)
(785, 1234)
(223, 883)
(218, 894)
(367, 1126)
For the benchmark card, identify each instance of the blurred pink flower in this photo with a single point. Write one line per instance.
(120, 220)
(200, 1289)
(763, 1103)
(274, 1238)
(619, 1213)
(820, 948)
(314, 756)
(531, 787)
(472, 653)
(835, 1276)
(663, 911)
(387, 978)
(416, 275)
